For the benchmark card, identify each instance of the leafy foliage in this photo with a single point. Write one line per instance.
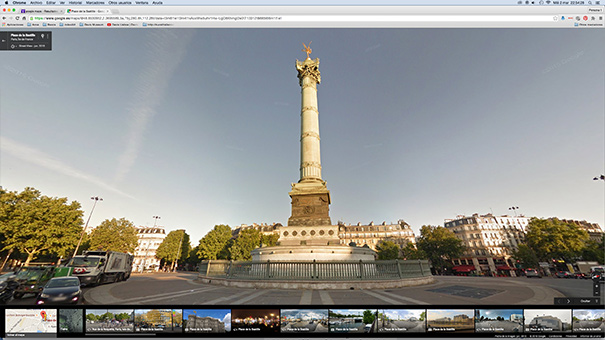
(440, 245)
(248, 240)
(410, 252)
(594, 251)
(526, 256)
(169, 249)
(215, 245)
(553, 238)
(114, 235)
(35, 224)
(368, 316)
(269, 240)
(387, 250)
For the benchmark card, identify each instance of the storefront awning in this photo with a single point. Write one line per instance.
(504, 268)
(464, 268)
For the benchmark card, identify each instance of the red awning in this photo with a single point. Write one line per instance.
(464, 268)
(504, 268)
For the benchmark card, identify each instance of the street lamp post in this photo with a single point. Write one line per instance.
(96, 199)
(514, 209)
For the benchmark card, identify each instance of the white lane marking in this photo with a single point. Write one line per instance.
(221, 299)
(403, 298)
(248, 298)
(169, 295)
(306, 297)
(325, 298)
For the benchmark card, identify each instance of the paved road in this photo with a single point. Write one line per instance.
(181, 288)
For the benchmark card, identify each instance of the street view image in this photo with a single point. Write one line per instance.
(450, 320)
(109, 320)
(351, 320)
(499, 320)
(71, 321)
(303, 167)
(255, 320)
(547, 320)
(401, 320)
(207, 320)
(304, 321)
(588, 320)
(158, 320)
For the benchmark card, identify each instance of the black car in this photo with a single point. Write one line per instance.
(60, 290)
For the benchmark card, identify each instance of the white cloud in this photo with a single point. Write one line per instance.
(166, 50)
(227, 322)
(39, 158)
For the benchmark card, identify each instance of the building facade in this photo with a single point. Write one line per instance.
(593, 229)
(150, 239)
(371, 234)
(489, 242)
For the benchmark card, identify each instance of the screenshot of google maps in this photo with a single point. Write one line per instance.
(190, 169)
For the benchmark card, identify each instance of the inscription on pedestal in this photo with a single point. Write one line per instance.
(310, 209)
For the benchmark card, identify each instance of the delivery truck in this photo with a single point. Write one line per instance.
(98, 267)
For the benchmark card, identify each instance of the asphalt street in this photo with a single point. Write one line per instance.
(182, 288)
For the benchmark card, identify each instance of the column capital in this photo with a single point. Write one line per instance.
(308, 68)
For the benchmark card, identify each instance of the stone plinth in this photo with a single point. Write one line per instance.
(310, 253)
(310, 204)
(325, 235)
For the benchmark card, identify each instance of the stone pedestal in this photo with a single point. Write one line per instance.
(310, 204)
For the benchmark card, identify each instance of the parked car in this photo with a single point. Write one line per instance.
(532, 273)
(60, 290)
(579, 276)
(563, 274)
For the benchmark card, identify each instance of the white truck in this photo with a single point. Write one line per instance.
(97, 267)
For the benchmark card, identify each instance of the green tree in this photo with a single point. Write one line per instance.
(247, 240)
(387, 250)
(440, 245)
(422, 316)
(552, 238)
(526, 256)
(269, 240)
(115, 235)
(368, 316)
(215, 245)
(34, 224)
(169, 249)
(410, 252)
(594, 251)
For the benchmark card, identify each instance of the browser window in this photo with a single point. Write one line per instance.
(336, 169)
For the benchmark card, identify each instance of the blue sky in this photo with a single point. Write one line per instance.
(201, 127)
(305, 314)
(494, 313)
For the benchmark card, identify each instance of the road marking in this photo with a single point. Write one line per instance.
(164, 296)
(248, 298)
(221, 299)
(325, 298)
(406, 299)
(306, 297)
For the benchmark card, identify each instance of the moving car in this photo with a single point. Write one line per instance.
(532, 273)
(60, 290)
(564, 274)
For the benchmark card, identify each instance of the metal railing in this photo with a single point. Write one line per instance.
(315, 270)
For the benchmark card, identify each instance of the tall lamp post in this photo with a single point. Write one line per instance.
(96, 199)
(514, 209)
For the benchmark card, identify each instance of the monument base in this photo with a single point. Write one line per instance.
(310, 204)
(310, 253)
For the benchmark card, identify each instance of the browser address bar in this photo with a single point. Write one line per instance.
(421, 18)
